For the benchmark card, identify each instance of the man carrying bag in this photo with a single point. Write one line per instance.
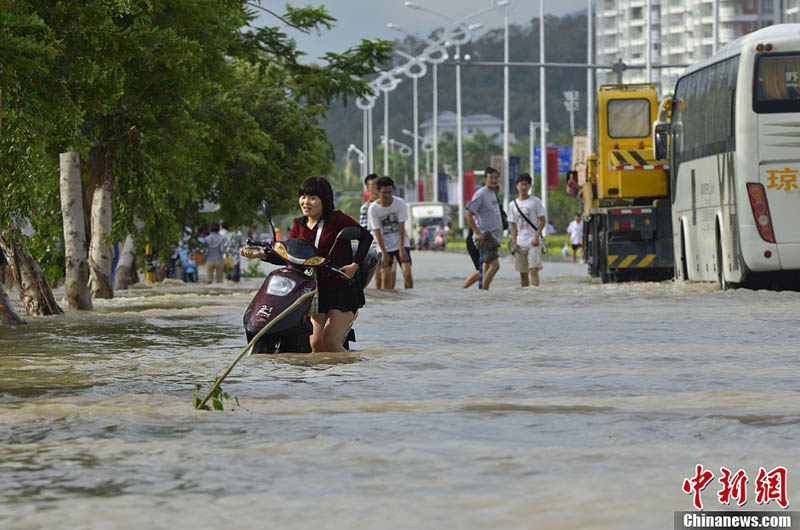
(527, 243)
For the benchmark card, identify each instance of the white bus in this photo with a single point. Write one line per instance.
(735, 162)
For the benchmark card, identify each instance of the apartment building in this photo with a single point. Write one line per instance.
(681, 32)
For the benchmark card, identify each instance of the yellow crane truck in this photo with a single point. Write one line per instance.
(627, 225)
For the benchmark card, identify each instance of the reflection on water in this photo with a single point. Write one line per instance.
(573, 405)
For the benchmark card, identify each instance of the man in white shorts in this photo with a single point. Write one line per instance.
(387, 218)
(525, 238)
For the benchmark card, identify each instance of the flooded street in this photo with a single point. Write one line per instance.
(574, 405)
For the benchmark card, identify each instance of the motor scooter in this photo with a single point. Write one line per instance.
(285, 286)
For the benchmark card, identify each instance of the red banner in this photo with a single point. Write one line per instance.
(420, 190)
(469, 186)
(552, 168)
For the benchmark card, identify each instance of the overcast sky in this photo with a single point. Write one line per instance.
(367, 19)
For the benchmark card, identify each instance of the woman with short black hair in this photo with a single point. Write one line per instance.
(338, 299)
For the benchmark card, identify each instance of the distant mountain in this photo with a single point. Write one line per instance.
(482, 86)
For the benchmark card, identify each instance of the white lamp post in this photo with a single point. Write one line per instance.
(506, 176)
(404, 151)
(434, 53)
(365, 103)
(361, 158)
(542, 108)
(458, 33)
(427, 146)
(415, 68)
(386, 82)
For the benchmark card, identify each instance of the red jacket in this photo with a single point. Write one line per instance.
(342, 255)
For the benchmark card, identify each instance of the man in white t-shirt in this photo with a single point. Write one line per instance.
(369, 183)
(387, 218)
(575, 231)
(525, 239)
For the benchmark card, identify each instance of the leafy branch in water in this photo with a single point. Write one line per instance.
(218, 398)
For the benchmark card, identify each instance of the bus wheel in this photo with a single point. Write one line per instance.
(723, 284)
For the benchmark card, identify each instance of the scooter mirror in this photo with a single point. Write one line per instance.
(265, 209)
(268, 215)
(347, 233)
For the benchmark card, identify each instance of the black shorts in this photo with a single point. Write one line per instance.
(347, 297)
(576, 247)
(474, 253)
(395, 255)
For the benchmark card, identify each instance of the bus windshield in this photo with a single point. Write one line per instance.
(777, 84)
(628, 118)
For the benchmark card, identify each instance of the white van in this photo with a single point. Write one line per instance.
(426, 215)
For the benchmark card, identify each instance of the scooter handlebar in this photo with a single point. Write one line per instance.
(262, 244)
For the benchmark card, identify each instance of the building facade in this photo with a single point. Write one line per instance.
(681, 33)
(470, 125)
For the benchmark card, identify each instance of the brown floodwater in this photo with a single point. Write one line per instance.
(574, 405)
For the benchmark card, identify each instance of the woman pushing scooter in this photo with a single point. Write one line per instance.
(338, 298)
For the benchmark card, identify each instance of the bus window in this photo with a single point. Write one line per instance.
(777, 84)
(628, 118)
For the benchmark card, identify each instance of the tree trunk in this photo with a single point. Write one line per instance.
(77, 275)
(126, 265)
(8, 315)
(101, 253)
(34, 289)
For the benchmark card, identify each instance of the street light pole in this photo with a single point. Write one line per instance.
(427, 147)
(459, 157)
(506, 176)
(435, 135)
(459, 33)
(386, 132)
(542, 108)
(365, 145)
(416, 144)
(371, 155)
(361, 158)
(434, 53)
(531, 137)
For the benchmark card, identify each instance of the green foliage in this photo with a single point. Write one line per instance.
(251, 271)
(218, 399)
(181, 102)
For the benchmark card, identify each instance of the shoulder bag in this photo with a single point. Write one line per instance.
(503, 217)
(543, 243)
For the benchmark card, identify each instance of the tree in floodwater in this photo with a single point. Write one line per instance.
(76, 279)
(29, 49)
(8, 315)
(159, 118)
(36, 295)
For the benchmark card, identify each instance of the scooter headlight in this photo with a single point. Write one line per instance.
(280, 285)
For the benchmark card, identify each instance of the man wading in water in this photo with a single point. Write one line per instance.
(483, 217)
